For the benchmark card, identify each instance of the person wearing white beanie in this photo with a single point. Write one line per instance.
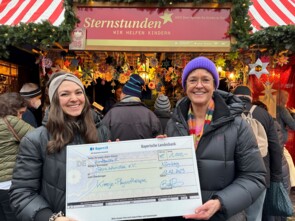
(39, 179)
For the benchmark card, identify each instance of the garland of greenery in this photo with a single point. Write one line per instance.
(44, 35)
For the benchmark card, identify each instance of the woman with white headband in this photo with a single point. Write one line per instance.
(39, 179)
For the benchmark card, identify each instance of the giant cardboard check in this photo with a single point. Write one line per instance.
(136, 179)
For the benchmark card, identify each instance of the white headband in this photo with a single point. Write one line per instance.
(58, 80)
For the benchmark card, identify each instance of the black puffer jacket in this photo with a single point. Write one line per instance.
(39, 180)
(229, 162)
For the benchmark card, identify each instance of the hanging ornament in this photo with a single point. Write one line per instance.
(281, 60)
(102, 68)
(220, 62)
(67, 63)
(123, 78)
(268, 97)
(258, 68)
(108, 76)
(233, 55)
(113, 84)
(166, 63)
(154, 62)
(151, 85)
(86, 83)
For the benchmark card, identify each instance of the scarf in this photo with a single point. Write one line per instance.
(129, 98)
(197, 130)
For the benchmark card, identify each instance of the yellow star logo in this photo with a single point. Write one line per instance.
(166, 17)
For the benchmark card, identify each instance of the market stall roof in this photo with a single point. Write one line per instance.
(271, 13)
(13, 12)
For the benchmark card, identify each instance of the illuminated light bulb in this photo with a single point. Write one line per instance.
(231, 76)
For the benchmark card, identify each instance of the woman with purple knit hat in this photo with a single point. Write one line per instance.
(230, 166)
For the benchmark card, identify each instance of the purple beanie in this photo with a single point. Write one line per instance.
(203, 63)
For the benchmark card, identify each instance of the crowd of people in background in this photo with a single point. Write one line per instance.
(34, 139)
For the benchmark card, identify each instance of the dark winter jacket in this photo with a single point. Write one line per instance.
(131, 121)
(229, 162)
(39, 180)
(273, 160)
(285, 167)
(163, 116)
(30, 118)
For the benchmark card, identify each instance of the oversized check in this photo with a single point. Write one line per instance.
(136, 179)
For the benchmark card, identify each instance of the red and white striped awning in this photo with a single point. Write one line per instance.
(271, 13)
(12, 12)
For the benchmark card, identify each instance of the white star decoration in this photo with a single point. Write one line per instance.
(166, 17)
(258, 68)
(268, 92)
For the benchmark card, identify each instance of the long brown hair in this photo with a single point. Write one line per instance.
(62, 128)
(10, 103)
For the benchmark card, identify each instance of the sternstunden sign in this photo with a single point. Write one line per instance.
(155, 29)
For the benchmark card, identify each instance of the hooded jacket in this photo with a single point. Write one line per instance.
(229, 162)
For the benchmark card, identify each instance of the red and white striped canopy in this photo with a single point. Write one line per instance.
(265, 13)
(12, 12)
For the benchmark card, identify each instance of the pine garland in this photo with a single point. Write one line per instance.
(44, 35)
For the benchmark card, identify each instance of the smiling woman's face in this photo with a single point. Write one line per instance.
(71, 98)
(200, 87)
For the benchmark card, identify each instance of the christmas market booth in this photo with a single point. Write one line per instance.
(104, 42)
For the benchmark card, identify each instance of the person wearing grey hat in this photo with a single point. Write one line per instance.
(39, 178)
(162, 109)
(231, 169)
(31, 92)
(130, 118)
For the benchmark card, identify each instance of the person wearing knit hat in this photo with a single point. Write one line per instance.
(274, 151)
(55, 83)
(73, 101)
(243, 90)
(226, 149)
(39, 195)
(162, 109)
(31, 92)
(130, 118)
(162, 103)
(134, 85)
(200, 63)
